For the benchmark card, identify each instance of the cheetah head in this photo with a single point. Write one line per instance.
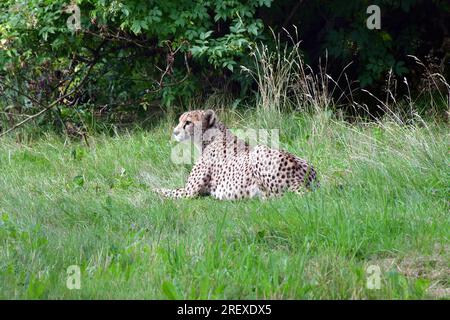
(193, 124)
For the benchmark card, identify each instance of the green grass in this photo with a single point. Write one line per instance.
(383, 201)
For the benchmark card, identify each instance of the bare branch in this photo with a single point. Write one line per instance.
(51, 105)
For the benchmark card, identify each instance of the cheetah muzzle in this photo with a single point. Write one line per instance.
(230, 168)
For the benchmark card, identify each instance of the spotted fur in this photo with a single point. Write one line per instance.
(230, 169)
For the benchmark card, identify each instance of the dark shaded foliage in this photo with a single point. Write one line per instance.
(143, 54)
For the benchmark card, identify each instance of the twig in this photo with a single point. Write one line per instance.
(293, 11)
(14, 114)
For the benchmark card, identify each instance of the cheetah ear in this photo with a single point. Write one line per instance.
(210, 117)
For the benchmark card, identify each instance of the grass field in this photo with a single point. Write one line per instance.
(383, 202)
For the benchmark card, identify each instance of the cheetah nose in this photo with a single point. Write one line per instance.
(176, 132)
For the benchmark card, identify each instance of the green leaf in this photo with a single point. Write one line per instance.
(205, 35)
(79, 181)
(170, 290)
(136, 27)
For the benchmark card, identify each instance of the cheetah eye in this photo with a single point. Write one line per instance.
(187, 123)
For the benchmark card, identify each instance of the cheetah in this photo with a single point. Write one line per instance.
(230, 169)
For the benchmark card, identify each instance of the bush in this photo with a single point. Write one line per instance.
(132, 55)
